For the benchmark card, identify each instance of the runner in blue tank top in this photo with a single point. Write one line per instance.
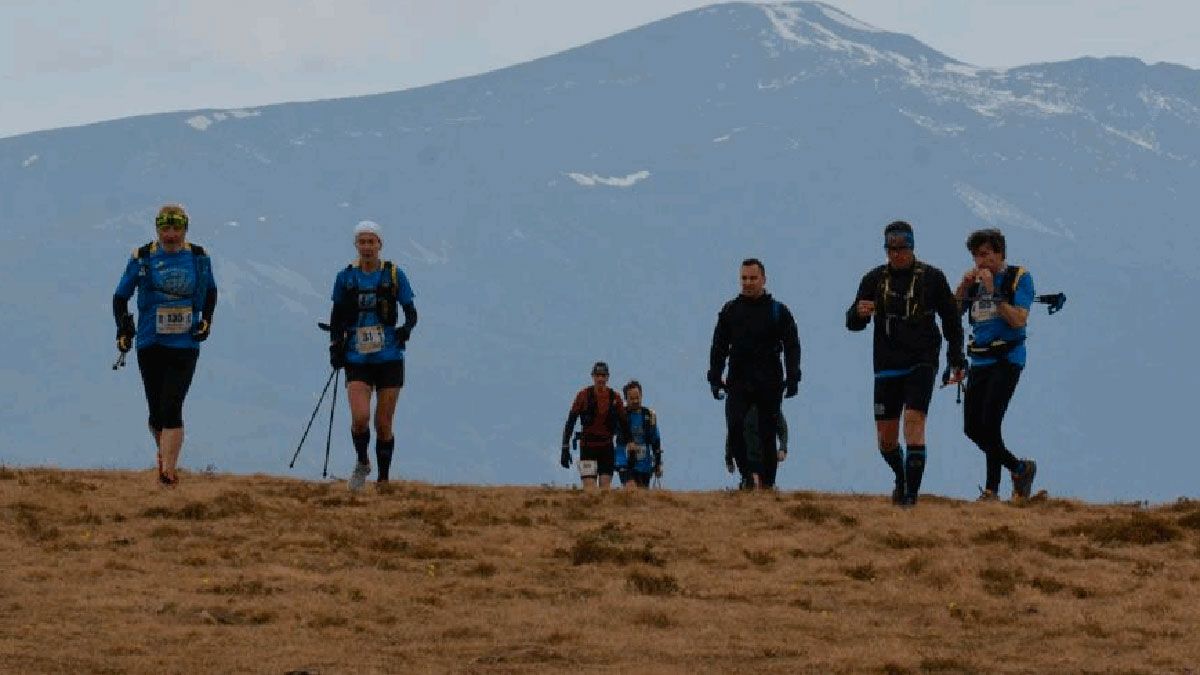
(996, 297)
(366, 341)
(176, 296)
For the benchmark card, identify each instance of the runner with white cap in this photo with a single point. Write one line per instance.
(365, 340)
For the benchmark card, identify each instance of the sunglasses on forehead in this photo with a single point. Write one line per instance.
(169, 221)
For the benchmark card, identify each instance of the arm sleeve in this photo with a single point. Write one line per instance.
(719, 350)
(572, 416)
(341, 317)
(210, 304)
(791, 347)
(410, 315)
(952, 329)
(124, 291)
(120, 307)
(866, 291)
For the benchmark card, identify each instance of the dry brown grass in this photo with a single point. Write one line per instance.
(102, 572)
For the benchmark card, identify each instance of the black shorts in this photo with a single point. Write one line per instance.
(912, 391)
(166, 376)
(630, 476)
(385, 375)
(602, 456)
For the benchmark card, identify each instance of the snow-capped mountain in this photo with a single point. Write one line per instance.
(595, 205)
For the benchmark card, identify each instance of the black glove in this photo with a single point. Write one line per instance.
(716, 392)
(729, 465)
(957, 361)
(402, 334)
(126, 331)
(337, 355)
(565, 460)
(200, 333)
(791, 388)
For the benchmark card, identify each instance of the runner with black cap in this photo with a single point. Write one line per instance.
(903, 297)
(601, 414)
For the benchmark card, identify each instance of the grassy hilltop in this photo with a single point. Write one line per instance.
(103, 572)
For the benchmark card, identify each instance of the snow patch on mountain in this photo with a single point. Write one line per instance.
(285, 277)
(199, 122)
(997, 211)
(846, 20)
(203, 122)
(933, 125)
(592, 180)
(1146, 140)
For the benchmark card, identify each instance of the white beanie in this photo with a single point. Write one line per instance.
(368, 226)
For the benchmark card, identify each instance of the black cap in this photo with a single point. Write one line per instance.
(600, 368)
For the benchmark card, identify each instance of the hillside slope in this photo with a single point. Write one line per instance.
(104, 573)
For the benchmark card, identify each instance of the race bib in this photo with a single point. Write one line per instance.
(982, 310)
(368, 339)
(173, 320)
(638, 452)
(587, 468)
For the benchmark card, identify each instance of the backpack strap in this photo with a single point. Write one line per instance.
(1010, 289)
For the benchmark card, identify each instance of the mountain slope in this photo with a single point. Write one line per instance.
(594, 205)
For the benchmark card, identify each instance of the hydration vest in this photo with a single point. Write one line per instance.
(997, 348)
(385, 293)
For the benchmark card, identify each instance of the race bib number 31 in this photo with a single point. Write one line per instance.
(368, 339)
(173, 320)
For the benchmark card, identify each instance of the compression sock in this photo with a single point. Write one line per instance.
(894, 460)
(383, 453)
(361, 442)
(914, 468)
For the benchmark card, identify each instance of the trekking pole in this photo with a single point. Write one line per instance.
(312, 417)
(329, 435)
(120, 362)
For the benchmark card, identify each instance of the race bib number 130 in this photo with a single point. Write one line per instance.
(173, 320)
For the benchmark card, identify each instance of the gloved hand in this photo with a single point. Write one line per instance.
(402, 334)
(565, 460)
(126, 331)
(337, 355)
(200, 333)
(957, 361)
(729, 465)
(791, 388)
(781, 454)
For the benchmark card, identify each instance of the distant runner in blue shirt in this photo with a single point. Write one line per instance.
(365, 340)
(176, 296)
(638, 455)
(997, 297)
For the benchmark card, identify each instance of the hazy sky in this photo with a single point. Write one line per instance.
(67, 62)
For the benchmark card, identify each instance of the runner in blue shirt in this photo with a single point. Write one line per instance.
(997, 297)
(176, 296)
(366, 341)
(638, 455)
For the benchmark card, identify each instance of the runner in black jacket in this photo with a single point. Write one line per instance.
(903, 297)
(752, 330)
